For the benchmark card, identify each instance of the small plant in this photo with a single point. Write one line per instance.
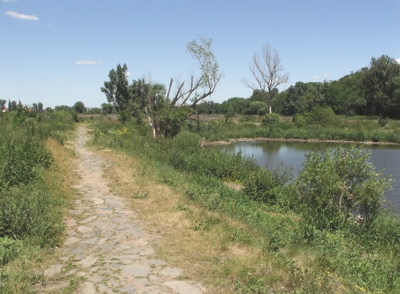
(138, 195)
(383, 121)
(8, 249)
(181, 207)
(205, 224)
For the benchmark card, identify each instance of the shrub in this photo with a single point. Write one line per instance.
(271, 119)
(340, 187)
(299, 120)
(321, 116)
(383, 121)
(187, 141)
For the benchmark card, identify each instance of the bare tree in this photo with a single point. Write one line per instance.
(208, 79)
(267, 69)
(178, 104)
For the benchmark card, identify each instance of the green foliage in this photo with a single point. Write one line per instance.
(271, 119)
(9, 249)
(106, 108)
(79, 107)
(28, 208)
(381, 85)
(321, 116)
(124, 116)
(383, 121)
(257, 107)
(299, 120)
(187, 142)
(304, 228)
(339, 187)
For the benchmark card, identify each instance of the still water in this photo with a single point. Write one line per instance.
(270, 154)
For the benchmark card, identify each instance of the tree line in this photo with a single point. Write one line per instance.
(373, 90)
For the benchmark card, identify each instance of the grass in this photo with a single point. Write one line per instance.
(33, 198)
(246, 241)
(358, 129)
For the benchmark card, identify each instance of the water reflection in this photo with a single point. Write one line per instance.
(271, 153)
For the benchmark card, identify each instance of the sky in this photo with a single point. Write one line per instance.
(60, 52)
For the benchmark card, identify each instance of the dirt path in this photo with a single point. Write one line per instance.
(106, 245)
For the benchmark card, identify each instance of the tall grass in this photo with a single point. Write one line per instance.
(31, 209)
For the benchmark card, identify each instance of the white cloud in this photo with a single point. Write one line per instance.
(90, 62)
(59, 80)
(22, 16)
(398, 60)
(127, 73)
(315, 77)
(9, 0)
(327, 75)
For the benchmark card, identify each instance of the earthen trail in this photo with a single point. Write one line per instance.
(106, 243)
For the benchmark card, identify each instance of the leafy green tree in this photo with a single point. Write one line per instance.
(238, 105)
(257, 108)
(117, 88)
(345, 95)
(62, 108)
(12, 105)
(381, 85)
(339, 187)
(106, 108)
(2, 104)
(79, 107)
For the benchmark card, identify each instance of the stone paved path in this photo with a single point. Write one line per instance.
(106, 243)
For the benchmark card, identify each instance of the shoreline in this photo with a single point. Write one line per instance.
(232, 141)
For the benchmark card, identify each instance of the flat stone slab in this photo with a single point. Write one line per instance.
(70, 241)
(128, 289)
(90, 241)
(89, 288)
(84, 229)
(88, 261)
(172, 272)
(97, 200)
(136, 270)
(183, 287)
(51, 271)
(89, 219)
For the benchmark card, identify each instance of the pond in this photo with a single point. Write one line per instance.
(271, 154)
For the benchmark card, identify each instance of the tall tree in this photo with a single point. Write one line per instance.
(117, 88)
(2, 104)
(266, 68)
(79, 107)
(381, 85)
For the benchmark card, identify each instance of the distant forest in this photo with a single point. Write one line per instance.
(368, 91)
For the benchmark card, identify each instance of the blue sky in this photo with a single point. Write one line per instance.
(60, 52)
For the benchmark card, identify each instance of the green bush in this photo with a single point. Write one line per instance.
(271, 119)
(383, 121)
(299, 120)
(9, 249)
(339, 187)
(187, 141)
(321, 116)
